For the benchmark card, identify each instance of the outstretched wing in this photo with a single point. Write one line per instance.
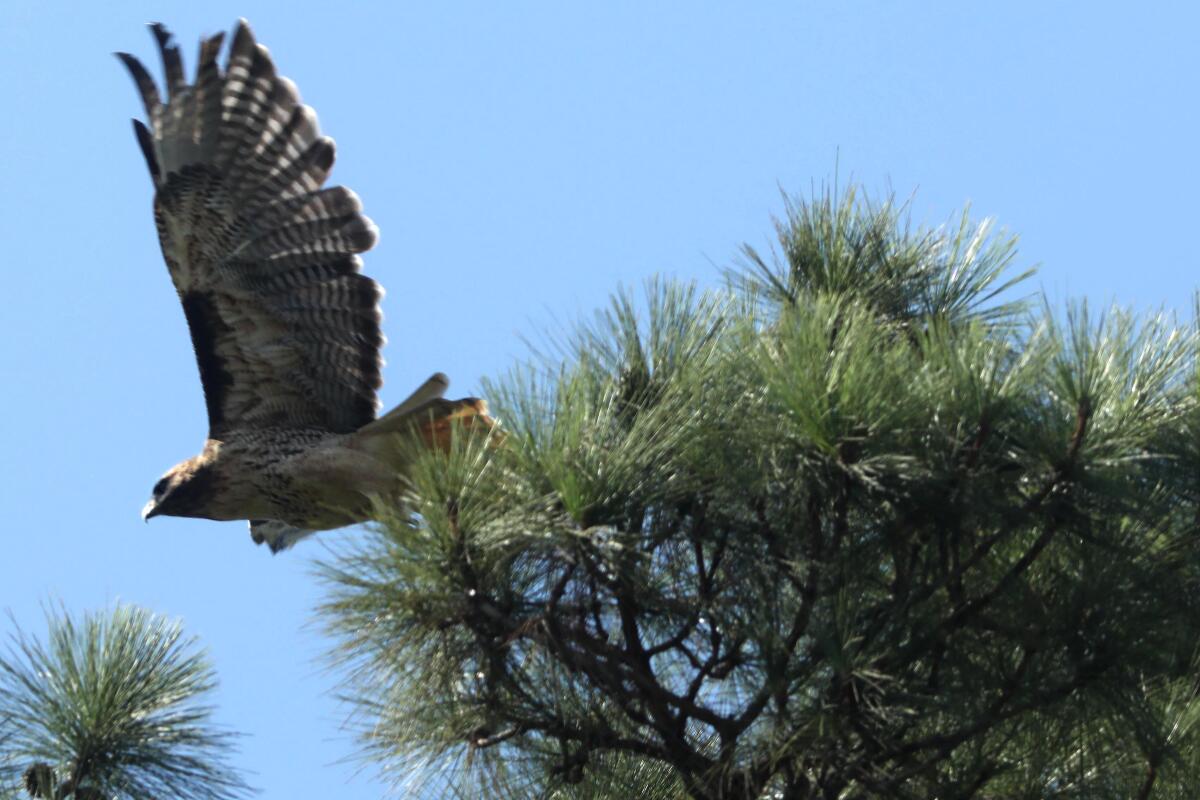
(285, 329)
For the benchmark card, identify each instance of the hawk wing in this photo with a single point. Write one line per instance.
(285, 329)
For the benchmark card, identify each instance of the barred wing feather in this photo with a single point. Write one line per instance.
(284, 326)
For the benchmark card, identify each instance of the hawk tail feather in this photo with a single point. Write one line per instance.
(432, 418)
(437, 428)
(432, 389)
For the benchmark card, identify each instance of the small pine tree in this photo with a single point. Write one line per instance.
(111, 708)
(855, 528)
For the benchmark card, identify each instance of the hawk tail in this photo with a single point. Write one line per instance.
(427, 414)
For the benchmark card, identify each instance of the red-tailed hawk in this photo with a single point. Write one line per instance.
(285, 328)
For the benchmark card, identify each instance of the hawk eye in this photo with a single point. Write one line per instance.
(160, 487)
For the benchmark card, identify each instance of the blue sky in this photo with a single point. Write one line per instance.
(521, 160)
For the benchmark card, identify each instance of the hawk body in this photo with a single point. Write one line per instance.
(285, 328)
(306, 479)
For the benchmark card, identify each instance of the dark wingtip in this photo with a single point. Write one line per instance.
(210, 47)
(162, 35)
(172, 61)
(243, 39)
(131, 63)
(145, 84)
(361, 233)
(146, 142)
(324, 152)
(134, 66)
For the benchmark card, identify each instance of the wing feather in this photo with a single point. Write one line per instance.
(146, 143)
(206, 130)
(172, 61)
(265, 261)
(145, 84)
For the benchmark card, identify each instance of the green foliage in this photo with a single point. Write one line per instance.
(855, 528)
(110, 706)
(845, 247)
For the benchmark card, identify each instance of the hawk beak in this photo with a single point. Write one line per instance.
(149, 510)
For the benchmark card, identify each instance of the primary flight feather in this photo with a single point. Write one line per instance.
(285, 327)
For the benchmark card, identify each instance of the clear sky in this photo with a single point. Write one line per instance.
(521, 160)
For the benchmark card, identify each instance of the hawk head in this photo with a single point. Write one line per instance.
(184, 491)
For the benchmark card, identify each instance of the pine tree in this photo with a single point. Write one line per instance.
(111, 707)
(857, 527)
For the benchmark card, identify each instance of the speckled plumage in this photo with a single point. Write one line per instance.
(285, 328)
